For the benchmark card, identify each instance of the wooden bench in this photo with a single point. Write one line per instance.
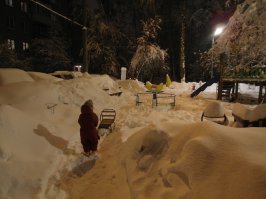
(107, 119)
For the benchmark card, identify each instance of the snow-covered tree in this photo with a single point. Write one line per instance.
(48, 55)
(104, 39)
(149, 59)
(243, 40)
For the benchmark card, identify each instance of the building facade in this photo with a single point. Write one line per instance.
(23, 20)
(15, 24)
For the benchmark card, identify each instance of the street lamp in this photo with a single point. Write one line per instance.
(217, 32)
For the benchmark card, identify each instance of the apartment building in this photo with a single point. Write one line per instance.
(23, 20)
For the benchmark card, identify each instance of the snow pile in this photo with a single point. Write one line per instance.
(133, 86)
(159, 152)
(39, 134)
(12, 75)
(202, 160)
(175, 160)
(26, 159)
(43, 76)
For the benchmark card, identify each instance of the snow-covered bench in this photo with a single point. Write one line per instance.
(250, 117)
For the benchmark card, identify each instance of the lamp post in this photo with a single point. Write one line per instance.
(217, 32)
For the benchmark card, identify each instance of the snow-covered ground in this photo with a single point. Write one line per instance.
(160, 152)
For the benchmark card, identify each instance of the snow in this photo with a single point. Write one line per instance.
(214, 109)
(37, 76)
(250, 113)
(159, 152)
(9, 76)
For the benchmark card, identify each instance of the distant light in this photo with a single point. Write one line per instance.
(218, 30)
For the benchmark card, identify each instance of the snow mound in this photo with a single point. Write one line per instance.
(42, 76)
(201, 160)
(26, 167)
(12, 75)
(77, 91)
(104, 81)
(132, 85)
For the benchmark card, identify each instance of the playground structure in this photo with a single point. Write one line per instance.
(230, 78)
(215, 79)
(157, 97)
(156, 91)
(228, 88)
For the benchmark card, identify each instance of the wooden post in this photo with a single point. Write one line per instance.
(264, 98)
(223, 59)
(236, 95)
(233, 92)
(260, 94)
(182, 70)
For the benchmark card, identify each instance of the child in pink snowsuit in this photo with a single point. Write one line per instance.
(88, 122)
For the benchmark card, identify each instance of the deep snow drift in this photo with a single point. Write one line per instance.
(160, 152)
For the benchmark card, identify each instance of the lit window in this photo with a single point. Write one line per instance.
(23, 6)
(11, 44)
(25, 45)
(9, 2)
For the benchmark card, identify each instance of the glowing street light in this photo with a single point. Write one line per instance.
(217, 32)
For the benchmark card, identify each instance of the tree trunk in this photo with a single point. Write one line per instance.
(182, 45)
